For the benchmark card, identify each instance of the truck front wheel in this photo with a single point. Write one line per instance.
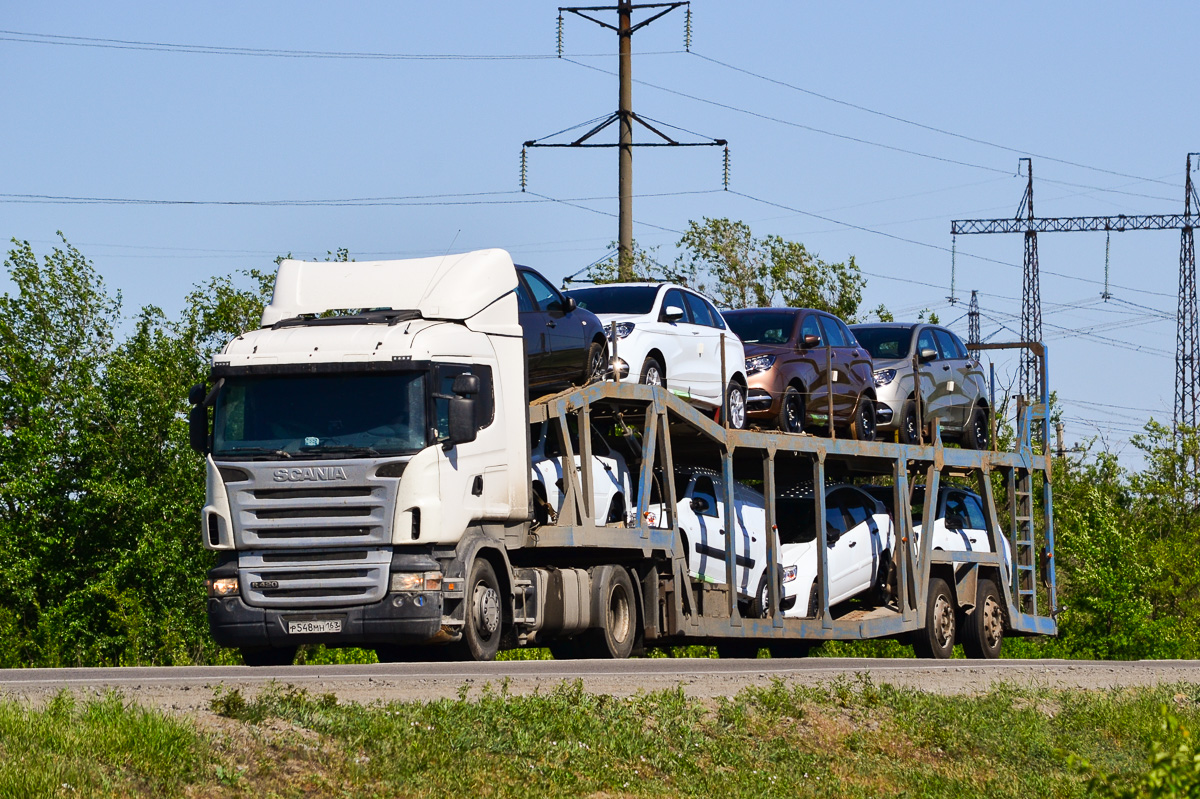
(484, 613)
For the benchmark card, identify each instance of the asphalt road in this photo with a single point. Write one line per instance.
(191, 687)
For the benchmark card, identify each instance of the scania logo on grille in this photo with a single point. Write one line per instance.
(313, 473)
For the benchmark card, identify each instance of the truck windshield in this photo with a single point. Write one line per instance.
(616, 299)
(884, 342)
(324, 415)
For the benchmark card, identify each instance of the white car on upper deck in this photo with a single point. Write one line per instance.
(669, 335)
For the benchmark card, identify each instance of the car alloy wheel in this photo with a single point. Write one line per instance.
(737, 406)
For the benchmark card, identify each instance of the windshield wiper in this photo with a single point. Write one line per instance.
(339, 449)
(280, 453)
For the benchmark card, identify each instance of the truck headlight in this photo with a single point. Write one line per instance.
(417, 581)
(759, 363)
(222, 586)
(789, 573)
(884, 376)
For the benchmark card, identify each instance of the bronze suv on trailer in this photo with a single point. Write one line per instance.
(793, 357)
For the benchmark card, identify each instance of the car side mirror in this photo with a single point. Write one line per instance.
(569, 304)
(955, 521)
(926, 355)
(831, 536)
(699, 504)
(811, 341)
(673, 313)
(198, 425)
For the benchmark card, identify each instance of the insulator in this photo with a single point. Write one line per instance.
(560, 35)
(953, 257)
(725, 169)
(524, 168)
(687, 29)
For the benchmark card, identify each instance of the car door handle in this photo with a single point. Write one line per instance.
(852, 543)
(552, 323)
(945, 368)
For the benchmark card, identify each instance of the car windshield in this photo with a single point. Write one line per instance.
(616, 299)
(767, 327)
(325, 415)
(796, 519)
(885, 342)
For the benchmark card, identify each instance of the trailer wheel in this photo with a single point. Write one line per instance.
(484, 613)
(983, 629)
(936, 640)
(283, 656)
(614, 637)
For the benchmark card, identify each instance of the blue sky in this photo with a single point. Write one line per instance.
(1101, 96)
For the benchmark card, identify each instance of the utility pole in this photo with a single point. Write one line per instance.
(625, 151)
(1187, 339)
(625, 116)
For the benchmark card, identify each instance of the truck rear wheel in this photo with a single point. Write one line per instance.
(936, 639)
(614, 636)
(484, 613)
(983, 628)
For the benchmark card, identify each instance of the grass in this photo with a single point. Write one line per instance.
(849, 737)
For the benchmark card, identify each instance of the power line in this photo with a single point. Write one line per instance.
(265, 52)
(410, 200)
(932, 246)
(921, 125)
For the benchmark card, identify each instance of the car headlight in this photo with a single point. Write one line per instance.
(623, 328)
(759, 363)
(884, 376)
(417, 581)
(789, 573)
(222, 586)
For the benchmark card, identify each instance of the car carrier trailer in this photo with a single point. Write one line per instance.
(432, 551)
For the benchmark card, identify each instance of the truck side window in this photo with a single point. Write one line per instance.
(444, 392)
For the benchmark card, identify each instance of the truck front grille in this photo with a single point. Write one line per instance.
(317, 579)
(271, 513)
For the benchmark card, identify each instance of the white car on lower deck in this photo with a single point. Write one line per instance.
(701, 517)
(669, 335)
(611, 492)
(860, 538)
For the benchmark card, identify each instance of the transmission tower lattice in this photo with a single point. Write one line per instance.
(1187, 341)
(973, 325)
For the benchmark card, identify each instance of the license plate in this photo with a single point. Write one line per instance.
(315, 626)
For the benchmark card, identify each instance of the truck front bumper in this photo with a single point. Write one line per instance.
(399, 618)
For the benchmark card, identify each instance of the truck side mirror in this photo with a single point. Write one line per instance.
(569, 304)
(197, 394)
(699, 504)
(462, 409)
(198, 426)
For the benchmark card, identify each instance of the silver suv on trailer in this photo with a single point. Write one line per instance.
(953, 387)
